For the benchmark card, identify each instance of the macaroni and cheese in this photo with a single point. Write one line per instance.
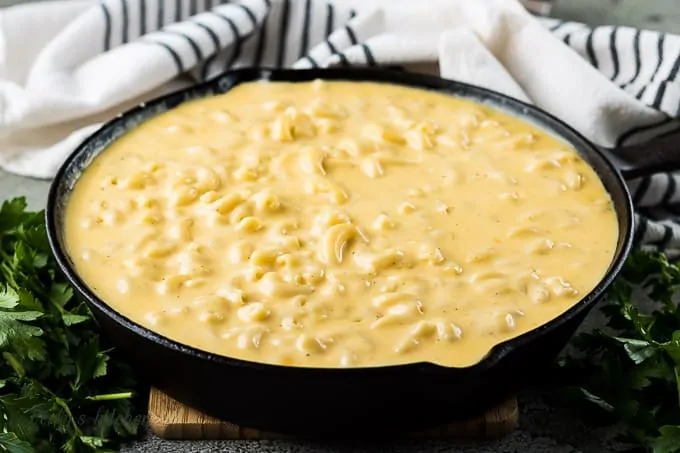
(340, 224)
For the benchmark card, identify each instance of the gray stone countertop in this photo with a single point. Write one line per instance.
(544, 428)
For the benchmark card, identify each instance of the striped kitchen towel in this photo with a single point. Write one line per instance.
(66, 66)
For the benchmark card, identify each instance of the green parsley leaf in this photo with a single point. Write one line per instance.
(633, 372)
(11, 213)
(10, 443)
(638, 350)
(8, 298)
(12, 329)
(57, 377)
(668, 441)
(71, 319)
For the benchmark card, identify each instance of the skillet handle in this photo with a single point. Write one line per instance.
(658, 155)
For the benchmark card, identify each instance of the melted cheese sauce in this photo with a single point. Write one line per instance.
(339, 224)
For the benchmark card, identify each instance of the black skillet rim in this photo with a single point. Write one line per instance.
(233, 78)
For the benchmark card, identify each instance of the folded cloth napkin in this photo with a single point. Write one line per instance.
(66, 66)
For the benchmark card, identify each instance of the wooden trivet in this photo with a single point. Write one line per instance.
(170, 419)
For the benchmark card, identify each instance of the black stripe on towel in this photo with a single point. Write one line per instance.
(660, 93)
(590, 49)
(352, 13)
(663, 241)
(353, 41)
(623, 138)
(237, 39)
(311, 60)
(237, 46)
(261, 40)
(674, 71)
(615, 53)
(253, 22)
(249, 12)
(659, 55)
(641, 190)
(142, 17)
(334, 51)
(658, 100)
(125, 17)
(670, 190)
(210, 32)
(640, 230)
(206, 66)
(638, 60)
(262, 36)
(174, 55)
(370, 59)
(304, 39)
(196, 49)
(283, 33)
(107, 26)
(160, 16)
(178, 9)
(330, 11)
(350, 34)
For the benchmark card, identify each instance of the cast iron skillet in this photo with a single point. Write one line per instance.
(313, 401)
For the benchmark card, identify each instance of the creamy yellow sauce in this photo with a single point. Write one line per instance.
(340, 224)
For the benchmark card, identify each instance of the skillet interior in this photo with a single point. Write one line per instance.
(323, 401)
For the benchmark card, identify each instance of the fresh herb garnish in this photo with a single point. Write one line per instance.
(60, 388)
(632, 372)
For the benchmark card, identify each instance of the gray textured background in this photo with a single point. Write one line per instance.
(543, 428)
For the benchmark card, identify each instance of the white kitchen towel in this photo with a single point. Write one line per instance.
(68, 65)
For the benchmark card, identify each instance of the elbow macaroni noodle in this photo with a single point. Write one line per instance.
(340, 224)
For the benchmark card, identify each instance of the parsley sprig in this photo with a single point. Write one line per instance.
(61, 389)
(630, 371)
